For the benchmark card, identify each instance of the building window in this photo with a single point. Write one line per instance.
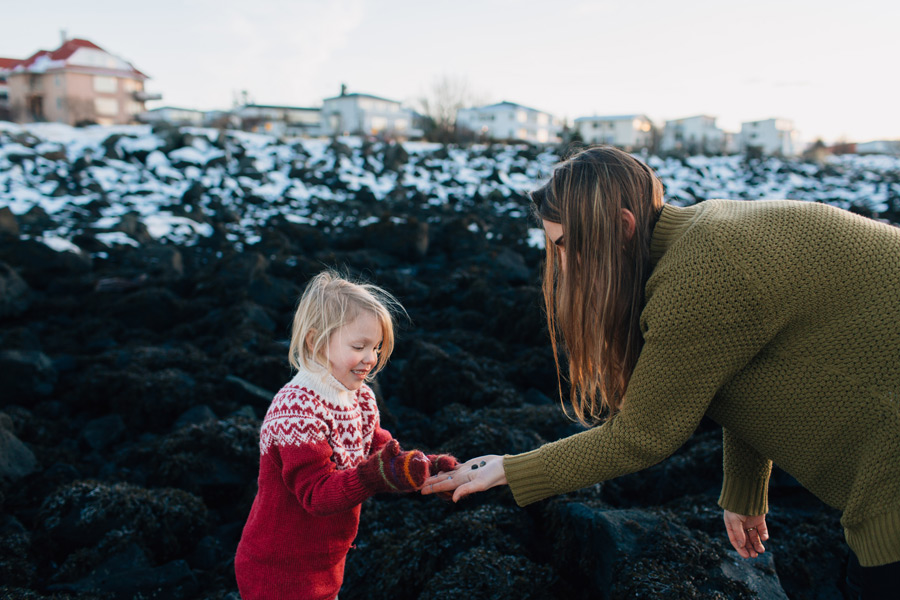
(59, 103)
(521, 117)
(378, 124)
(105, 85)
(57, 80)
(106, 106)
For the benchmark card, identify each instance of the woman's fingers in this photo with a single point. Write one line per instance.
(439, 478)
(449, 483)
(738, 539)
(754, 541)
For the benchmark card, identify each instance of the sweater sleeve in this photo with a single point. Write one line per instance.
(745, 487)
(308, 471)
(703, 321)
(379, 439)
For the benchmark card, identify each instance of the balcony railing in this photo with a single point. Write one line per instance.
(142, 96)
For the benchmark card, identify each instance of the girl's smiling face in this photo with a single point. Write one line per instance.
(353, 350)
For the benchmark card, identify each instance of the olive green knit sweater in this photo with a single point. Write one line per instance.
(780, 321)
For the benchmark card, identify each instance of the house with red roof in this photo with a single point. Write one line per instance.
(79, 82)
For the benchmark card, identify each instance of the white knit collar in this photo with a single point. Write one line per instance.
(325, 384)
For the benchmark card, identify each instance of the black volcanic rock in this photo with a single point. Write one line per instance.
(26, 375)
(14, 293)
(9, 225)
(167, 522)
(16, 459)
(645, 541)
(37, 263)
(453, 378)
(216, 459)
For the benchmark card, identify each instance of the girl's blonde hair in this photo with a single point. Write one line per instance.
(594, 303)
(330, 302)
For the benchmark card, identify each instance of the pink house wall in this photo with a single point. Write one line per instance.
(70, 97)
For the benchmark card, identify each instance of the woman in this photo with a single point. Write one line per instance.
(779, 320)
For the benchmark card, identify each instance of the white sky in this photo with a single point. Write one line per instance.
(830, 66)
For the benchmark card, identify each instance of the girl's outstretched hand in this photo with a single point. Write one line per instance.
(746, 533)
(393, 470)
(475, 475)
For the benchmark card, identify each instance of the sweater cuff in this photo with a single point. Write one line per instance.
(354, 489)
(526, 478)
(745, 497)
(876, 541)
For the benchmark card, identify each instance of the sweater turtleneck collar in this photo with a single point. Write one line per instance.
(325, 384)
(673, 220)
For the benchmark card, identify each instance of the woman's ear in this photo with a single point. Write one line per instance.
(629, 223)
(310, 336)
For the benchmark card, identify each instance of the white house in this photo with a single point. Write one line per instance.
(174, 115)
(695, 135)
(364, 114)
(879, 147)
(770, 136)
(510, 121)
(280, 120)
(630, 132)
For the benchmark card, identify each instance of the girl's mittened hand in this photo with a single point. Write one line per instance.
(746, 533)
(392, 470)
(441, 463)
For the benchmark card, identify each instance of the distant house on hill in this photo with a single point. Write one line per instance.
(174, 115)
(879, 147)
(770, 137)
(510, 121)
(364, 114)
(279, 120)
(78, 82)
(629, 132)
(694, 135)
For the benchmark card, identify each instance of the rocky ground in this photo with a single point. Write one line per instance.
(140, 347)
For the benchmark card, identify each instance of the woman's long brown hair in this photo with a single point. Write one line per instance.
(594, 303)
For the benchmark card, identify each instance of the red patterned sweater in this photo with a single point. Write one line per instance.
(306, 511)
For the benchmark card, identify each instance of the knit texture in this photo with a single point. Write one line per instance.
(393, 470)
(780, 321)
(306, 511)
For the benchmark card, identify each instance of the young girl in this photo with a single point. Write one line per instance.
(322, 450)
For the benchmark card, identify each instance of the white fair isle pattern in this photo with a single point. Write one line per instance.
(299, 415)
